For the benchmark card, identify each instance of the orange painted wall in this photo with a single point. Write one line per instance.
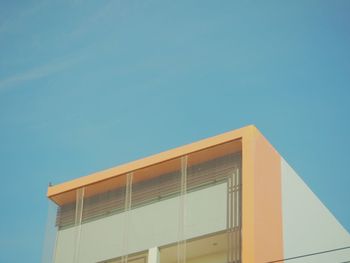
(248, 213)
(268, 202)
(262, 232)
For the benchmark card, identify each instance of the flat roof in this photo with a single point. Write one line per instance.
(57, 192)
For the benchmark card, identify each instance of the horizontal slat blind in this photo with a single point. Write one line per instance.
(165, 186)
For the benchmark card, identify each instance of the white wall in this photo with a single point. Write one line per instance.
(149, 226)
(308, 226)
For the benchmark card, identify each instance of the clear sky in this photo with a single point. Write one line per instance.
(87, 85)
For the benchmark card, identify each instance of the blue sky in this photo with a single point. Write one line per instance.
(87, 85)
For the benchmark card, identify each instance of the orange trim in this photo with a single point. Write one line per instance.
(54, 191)
(152, 171)
(262, 237)
(248, 226)
(268, 236)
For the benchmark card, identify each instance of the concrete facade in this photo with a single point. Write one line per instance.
(230, 198)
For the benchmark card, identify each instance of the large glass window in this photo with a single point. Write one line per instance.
(213, 218)
(190, 207)
(206, 249)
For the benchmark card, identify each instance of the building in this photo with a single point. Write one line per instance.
(229, 198)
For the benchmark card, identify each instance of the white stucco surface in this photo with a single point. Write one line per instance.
(308, 226)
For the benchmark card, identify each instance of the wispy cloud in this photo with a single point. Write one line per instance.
(37, 72)
(106, 13)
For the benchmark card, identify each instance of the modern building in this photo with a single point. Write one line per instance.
(226, 199)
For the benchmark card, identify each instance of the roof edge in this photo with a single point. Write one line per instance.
(246, 131)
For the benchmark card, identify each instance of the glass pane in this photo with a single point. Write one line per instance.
(50, 234)
(208, 249)
(103, 231)
(133, 258)
(69, 219)
(154, 214)
(213, 208)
